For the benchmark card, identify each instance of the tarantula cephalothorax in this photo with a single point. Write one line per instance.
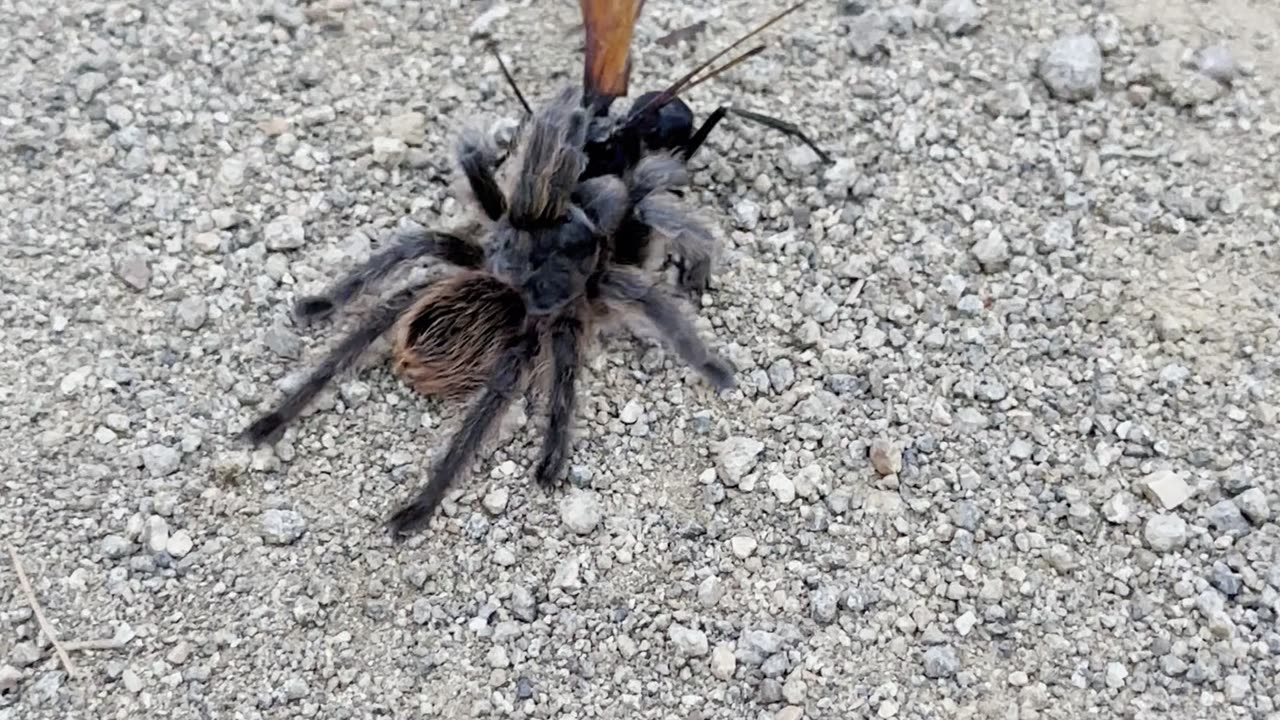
(521, 305)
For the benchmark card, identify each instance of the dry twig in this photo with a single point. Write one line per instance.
(45, 627)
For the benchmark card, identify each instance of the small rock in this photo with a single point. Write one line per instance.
(161, 460)
(409, 128)
(1119, 510)
(1236, 689)
(135, 272)
(1166, 488)
(207, 242)
(802, 159)
(568, 574)
(992, 252)
(940, 662)
(631, 412)
(282, 527)
(1164, 533)
(746, 214)
(782, 488)
(495, 501)
(965, 514)
(24, 654)
(497, 657)
(1072, 68)
(1116, 674)
(743, 546)
(1217, 62)
(284, 233)
(964, 624)
(180, 544)
(710, 592)
(756, 646)
(1226, 581)
(192, 312)
(1225, 518)
(1253, 503)
(1012, 100)
(115, 547)
(131, 681)
(737, 457)
(867, 34)
(688, 641)
(88, 85)
(231, 172)
(1232, 200)
(886, 457)
(581, 512)
(483, 24)
(157, 534)
(790, 712)
(389, 151)
(824, 604)
(957, 17)
(723, 663)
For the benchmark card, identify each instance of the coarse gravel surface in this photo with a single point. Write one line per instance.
(1004, 443)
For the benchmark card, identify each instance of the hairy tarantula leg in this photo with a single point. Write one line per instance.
(479, 159)
(269, 426)
(783, 126)
(633, 288)
(414, 243)
(691, 240)
(480, 418)
(565, 336)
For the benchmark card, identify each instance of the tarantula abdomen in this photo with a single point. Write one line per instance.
(447, 343)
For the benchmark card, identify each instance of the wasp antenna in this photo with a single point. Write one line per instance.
(712, 74)
(683, 83)
(510, 79)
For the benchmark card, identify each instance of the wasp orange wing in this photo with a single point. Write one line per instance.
(609, 25)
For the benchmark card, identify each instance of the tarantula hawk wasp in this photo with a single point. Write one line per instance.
(657, 123)
(564, 245)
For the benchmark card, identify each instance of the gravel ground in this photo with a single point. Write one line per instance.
(1004, 443)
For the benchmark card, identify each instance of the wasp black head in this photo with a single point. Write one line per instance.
(665, 126)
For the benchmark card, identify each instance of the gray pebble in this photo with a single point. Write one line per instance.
(282, 527)
(1253, 503)
(89, 84)
(941, 662)
(957, 17)
(134, 271)
(1217, 62)
(1164, 533)
(1236, 689)
(286, 232)
(115, 547)
(868, 33)
(755, 646)
(157, 534)
(1072, 68)
(580, 511)
(824, 604)
(1226, 581)
(192, 312)
(736, 457)
(161, 460)
(710, 591)
(24, 654)
(992, 252)
(1225, 518)
(886, 456)
(723, 663)
(689, 642)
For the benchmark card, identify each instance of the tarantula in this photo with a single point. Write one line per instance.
(524, 299)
